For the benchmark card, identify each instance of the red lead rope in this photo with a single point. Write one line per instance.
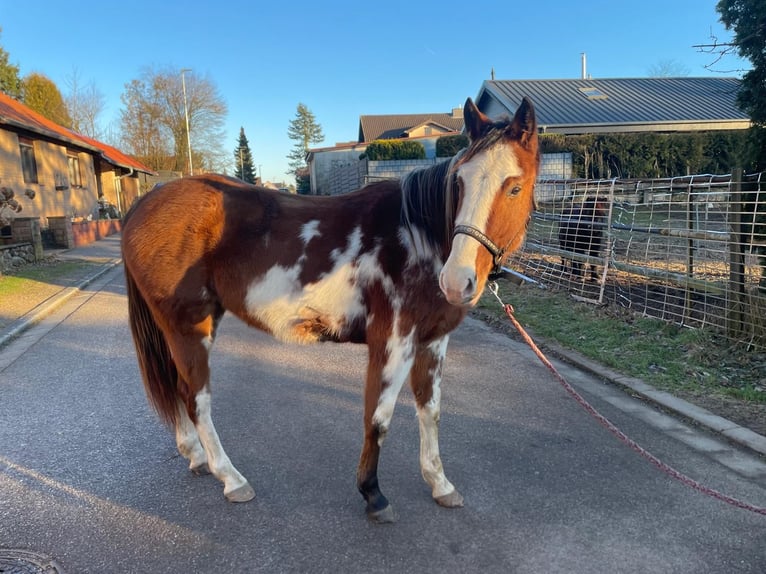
(617, 432)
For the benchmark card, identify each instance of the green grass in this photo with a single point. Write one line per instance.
(16, 282)
(666, 356)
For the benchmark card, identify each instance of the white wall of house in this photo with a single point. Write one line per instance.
(323, 162)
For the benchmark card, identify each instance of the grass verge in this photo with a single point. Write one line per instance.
(669, 357)
(16, 283)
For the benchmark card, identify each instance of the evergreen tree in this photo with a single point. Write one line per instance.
(243, 159)
(304, 130)
(747, 19)
(10, 81)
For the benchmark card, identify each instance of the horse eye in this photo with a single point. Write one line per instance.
(511, 188)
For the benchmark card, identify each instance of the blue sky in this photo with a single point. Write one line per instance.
(344, 59)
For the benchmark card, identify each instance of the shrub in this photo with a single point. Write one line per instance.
(381, 150)
(447, 146)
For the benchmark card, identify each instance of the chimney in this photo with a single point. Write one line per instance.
(457, 112)
(584, 66)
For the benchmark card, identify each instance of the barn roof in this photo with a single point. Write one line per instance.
(627, 104)
(375, 127)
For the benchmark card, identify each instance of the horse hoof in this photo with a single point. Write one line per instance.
(382, 516)
(452, 500)
(241, 494)
(201, 469)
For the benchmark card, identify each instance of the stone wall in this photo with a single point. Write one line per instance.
(16, 255)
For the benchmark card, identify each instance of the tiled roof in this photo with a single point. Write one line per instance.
(633, 101)
(16, 114)
(394, 126)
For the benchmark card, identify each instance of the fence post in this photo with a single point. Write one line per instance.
(735, 319)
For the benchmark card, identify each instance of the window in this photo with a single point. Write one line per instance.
(593, 93)
(28, 162)
(75, 177)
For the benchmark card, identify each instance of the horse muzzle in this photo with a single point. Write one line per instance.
(459, 286)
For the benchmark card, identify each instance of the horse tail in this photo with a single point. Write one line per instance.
(158, 370)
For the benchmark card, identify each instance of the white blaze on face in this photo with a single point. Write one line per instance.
(482, 177)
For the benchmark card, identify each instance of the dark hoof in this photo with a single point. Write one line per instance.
(201, 470)
(382, 516)
(241, 494)
(452, 500)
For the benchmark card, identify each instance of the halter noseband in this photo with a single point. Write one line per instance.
(497, 253)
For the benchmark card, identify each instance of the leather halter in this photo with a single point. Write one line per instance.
(497, 253)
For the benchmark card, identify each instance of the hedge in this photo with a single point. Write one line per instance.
(382, 150)
(651, 155)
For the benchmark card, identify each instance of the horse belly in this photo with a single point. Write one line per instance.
(328, 309)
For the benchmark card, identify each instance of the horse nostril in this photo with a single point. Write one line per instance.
(470, 286)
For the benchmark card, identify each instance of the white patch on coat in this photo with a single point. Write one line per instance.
(418, 248)
(401, 355)
(309, 231)
(281, 303)
(217, 459)
(428, 422)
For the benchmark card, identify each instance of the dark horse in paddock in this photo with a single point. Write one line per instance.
(395, 265)
(581, 231)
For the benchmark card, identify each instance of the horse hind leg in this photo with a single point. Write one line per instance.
(426, 386)
(190, 353)
(187, 441)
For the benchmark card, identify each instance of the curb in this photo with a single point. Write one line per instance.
(732, 431)
(47, 307)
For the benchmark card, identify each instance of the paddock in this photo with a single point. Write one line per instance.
(689, 250)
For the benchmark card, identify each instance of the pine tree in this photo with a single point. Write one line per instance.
(244, 159)
(304, 130)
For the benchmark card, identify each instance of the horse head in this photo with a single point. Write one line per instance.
(496, 177)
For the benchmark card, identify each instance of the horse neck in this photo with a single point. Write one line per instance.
(429, 202)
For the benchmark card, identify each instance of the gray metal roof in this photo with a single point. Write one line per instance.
(374, 127)
(633, 104)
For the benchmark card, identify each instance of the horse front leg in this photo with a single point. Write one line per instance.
(389, 363)
(426, 386)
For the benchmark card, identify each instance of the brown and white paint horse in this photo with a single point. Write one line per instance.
(395, 265)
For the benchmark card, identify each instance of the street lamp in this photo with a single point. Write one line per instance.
(186, 115)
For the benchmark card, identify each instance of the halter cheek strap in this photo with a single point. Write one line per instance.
(497, 253)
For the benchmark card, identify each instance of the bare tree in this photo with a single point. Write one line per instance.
(144, 133)
(155, 112)
(668, 69)
(85, 103)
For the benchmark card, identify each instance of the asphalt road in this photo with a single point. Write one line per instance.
(90, 477)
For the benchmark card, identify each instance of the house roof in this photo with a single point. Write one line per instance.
(379, 127)
(632, 104)
(15, 114)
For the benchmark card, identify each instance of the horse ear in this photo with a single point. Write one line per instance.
(475, 121)
(525, 122)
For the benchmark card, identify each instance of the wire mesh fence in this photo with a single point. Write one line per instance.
(689, 250)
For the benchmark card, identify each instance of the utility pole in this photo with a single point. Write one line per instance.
(186, 115)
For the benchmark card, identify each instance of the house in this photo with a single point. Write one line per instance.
(338, 169)
(588, 106)
(398, 126)
(61, 176)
